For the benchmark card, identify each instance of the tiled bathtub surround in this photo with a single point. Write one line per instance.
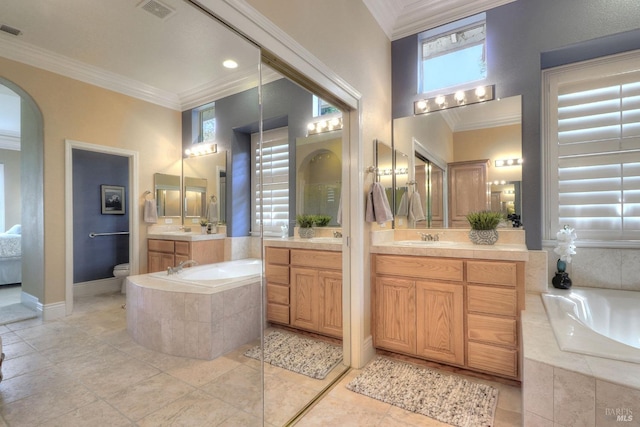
(601, 268)
(563, 389)
(200, 325)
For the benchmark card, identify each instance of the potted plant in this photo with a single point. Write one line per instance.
(203, 226)
(322, 220)
(306, 222)
(483, 227)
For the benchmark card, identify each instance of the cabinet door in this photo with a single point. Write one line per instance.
(158, 261)
(395, 315)
(304, 298)
(330, 321)
(440, 321)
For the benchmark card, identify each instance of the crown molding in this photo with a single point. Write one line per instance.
(484, 124)
(37, 57)
(385, 12)
(432, 14)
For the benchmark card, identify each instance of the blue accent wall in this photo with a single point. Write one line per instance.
(237, 116)
(95, 258)
(521, 36)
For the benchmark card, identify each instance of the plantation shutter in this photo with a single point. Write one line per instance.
(274, 192)
(597, 151)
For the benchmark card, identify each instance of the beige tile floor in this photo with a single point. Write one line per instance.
(84, 370)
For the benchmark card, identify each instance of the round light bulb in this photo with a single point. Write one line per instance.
(459, 96)
(230, 63)
(440, 100)
(311, 126)
(481, 92)
(422, 105)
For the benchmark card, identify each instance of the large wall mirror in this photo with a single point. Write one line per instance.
(204, 180)
(168, 195)
(436, 143)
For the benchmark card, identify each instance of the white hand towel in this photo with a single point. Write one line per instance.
(339, 214)
(150, 211)
(378, 209)
(403, 207)
(415, 208)
(212, 213)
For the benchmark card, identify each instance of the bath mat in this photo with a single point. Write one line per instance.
(16, 313)
(305, 356)
(447, 398)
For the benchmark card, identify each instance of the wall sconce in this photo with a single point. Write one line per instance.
(508, 162)
(457, 99)
(201, 150)
(324, 125)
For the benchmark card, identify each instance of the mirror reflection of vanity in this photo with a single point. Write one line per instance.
(319, 175)
(168, 196)
(487, 132)
(204, 193)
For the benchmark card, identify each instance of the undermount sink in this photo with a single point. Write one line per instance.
(326, 240)
(422, 243)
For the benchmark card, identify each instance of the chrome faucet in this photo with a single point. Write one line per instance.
(178, 268)
(337, 234)
(429, 237)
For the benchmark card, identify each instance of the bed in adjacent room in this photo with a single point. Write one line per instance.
(11, 256)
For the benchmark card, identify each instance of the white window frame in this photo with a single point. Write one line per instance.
(275, 208)
(608, 69)
(448, 30)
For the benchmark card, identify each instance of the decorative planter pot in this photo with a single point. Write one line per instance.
(561, 280)
(483, 237)
(306, 233)
(203, 229)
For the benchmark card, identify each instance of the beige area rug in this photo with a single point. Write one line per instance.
(292, 352)
(446, 398)
(15, 313)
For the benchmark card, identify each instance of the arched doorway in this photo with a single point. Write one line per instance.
(32, 198)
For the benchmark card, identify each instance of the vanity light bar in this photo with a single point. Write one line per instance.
(457, 99)
(324, 125)
(201, 150)
(508, 162)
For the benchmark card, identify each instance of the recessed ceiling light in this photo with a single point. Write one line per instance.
(230, 63)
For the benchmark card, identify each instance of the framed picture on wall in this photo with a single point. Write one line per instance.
(113, 200)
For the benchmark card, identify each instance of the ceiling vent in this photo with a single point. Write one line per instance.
(157, 9)
(10, 30)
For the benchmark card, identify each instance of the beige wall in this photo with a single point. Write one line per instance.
(502, 142)
(345, 37)
(82, 112)
(12, 195)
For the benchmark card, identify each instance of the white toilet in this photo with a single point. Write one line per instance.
(121, 271)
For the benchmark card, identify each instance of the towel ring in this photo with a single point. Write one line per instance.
(214, 199)
(146, 193)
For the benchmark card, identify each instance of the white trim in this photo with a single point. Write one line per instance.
(97, 287)
(10, 140)
(134, 238)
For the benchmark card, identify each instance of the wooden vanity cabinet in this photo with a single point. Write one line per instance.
(419, 307)
(304, 289)
(278, 292)
(454, 311)
(162, 254)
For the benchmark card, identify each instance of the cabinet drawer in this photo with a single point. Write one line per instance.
(483, 299)
(420, 267)
(277, 255)
(182, 248)
(318, 259)
(492, 359)
(492, 330)
(277, 294)
(277, 273)
(278, 313)
(492, 273)
(160, 245)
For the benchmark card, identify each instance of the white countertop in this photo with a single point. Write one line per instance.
(192, 236)
(499, 251)
(323, 243)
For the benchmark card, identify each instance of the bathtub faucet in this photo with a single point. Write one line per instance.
(429, 237)
(178, 268)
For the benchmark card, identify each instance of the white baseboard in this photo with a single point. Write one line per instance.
(97, 287)
(57, 310)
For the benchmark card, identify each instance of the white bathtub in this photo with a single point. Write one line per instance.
(216, 277)
(596, 322)
(202, 312)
